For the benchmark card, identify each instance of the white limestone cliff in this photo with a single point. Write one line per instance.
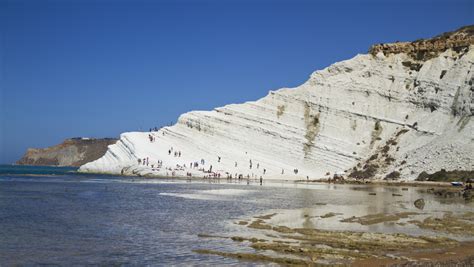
(370, 116)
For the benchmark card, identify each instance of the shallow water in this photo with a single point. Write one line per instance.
(87, 219)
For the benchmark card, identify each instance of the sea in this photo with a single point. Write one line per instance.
(57, 216)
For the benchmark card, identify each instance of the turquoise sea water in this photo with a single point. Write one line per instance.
(35, 170)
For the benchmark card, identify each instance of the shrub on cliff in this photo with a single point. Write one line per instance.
(446, 176)
(392, 176)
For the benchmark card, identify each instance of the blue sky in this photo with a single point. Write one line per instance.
(98, 68)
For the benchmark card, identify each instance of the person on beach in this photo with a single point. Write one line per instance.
(218, 159)
(258, 165)
(169, 152)
(261, 180)
(468, 186)
(264, 171)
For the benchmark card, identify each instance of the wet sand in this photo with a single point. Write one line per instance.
(309, 246)
(394, 234)
(461, 255)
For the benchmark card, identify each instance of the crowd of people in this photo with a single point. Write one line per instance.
(201, 165)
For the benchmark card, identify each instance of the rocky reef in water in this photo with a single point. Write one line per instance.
(72, 152)
(395, 112)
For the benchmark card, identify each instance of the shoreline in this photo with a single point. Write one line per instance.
(301, 236)
(375, 182)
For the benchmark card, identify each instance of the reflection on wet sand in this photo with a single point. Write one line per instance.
(382, 228)
(296, 246)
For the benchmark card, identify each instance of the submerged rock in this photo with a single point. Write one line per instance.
(419, 203)
(378, 218)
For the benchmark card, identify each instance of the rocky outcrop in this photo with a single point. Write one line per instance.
(72, 152)
(378, 115)
(425, 49)
(447, 176)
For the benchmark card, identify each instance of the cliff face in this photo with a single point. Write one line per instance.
(383, 114)
(72, 152)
